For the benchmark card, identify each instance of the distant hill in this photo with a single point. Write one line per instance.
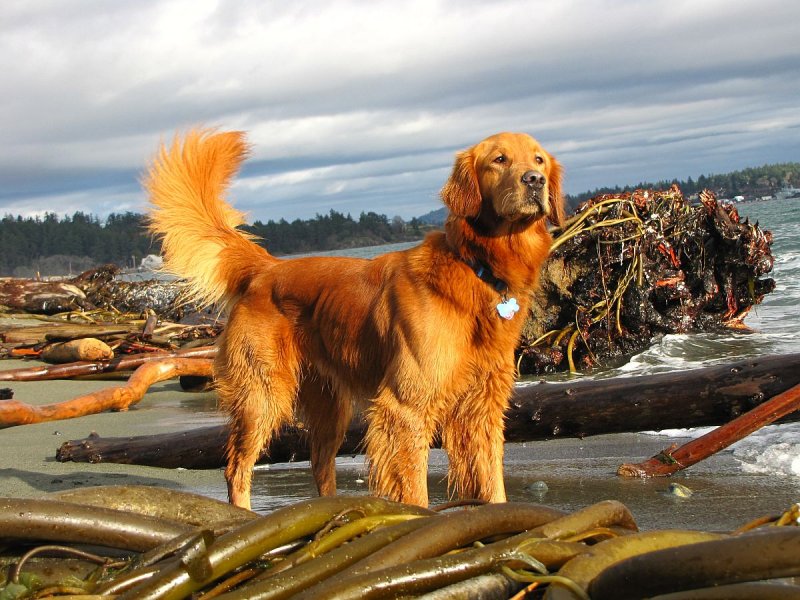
(435, 217)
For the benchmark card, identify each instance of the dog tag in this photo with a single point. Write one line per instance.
(508, 308)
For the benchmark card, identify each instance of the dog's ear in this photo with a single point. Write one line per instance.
(462, 194)
(555, 196)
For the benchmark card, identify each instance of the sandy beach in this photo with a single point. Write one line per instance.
(576, 472)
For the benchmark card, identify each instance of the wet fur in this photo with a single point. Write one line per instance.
(412, 337)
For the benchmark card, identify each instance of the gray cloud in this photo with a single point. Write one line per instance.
(360, 106)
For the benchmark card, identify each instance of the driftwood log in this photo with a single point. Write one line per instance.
(89, 368)
(41, 297)
(674, 459)
(13, 413)
(97, 288)
(700, 397)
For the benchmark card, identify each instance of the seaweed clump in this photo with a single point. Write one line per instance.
(167, 545)
(626, 268)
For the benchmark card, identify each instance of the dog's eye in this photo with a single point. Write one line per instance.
(500, 159)
(539, 159)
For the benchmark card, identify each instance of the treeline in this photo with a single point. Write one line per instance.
(751, 183)
(51, 245)
(334, 231)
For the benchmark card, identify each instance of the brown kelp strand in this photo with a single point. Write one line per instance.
(273, 585)
(248, 542)
(174, 505)
(763, 554)
(341, 535)
(431, 573)
(607, 513)
(737, 591)
(14, 571)
(45, 571)
(584, 568)
(320, 548)
(51, 520)
(457, 529)
(491, 586)
(627, 267)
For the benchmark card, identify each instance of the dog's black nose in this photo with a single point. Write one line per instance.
(533, 179)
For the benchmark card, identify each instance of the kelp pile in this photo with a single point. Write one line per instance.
(105, 288)
(629, 267)
(147, 543)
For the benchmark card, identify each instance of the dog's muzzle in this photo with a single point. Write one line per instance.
(534, 182)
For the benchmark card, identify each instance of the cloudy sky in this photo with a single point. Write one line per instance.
(360, 105)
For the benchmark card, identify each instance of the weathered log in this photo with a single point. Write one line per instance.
(84, 349)
(123, 333)
(700, 397)
(675, 459)
(14, 413)
(84, 369)
(38, 334)
(41, 297)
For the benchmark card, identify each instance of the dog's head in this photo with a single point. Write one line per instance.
(508, 176)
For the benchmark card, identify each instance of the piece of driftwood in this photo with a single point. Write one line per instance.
(84, 349)
(84, 369)
(38, 334)
(14, 413)
(101, 287)
(700, 397)
(41, 297)
(674, 459)
(123, 333)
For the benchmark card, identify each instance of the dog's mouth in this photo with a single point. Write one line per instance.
(535, 204)
(523, 203)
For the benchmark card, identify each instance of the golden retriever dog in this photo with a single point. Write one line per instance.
(421, 340)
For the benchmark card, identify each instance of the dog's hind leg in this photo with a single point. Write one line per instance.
(257, 383)
(327, 415)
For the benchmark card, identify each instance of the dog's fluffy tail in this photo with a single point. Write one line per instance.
(186, 183)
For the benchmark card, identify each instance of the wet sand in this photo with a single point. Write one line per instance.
(576, 472)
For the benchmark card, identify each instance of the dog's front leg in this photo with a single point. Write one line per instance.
(398, 442)
(472, 435)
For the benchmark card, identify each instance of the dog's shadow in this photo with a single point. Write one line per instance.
(45, 482)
